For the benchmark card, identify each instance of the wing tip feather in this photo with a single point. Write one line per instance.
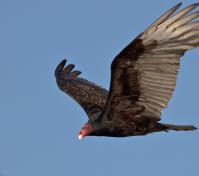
(63, 72)
(60, 67)
(178, 5)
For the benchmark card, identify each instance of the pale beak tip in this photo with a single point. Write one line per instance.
(80, 136)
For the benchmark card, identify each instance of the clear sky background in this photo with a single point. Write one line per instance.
(39, 124)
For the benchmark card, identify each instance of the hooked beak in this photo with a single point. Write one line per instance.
(85, 131)
(80, 136)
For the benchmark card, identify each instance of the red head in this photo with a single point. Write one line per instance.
(86, 130)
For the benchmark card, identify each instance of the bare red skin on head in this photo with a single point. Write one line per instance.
(86, 130)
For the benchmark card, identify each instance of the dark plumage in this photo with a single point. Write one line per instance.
(143, 78)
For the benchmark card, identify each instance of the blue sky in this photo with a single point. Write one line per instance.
(39, 124)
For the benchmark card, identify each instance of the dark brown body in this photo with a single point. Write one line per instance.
(133, 129)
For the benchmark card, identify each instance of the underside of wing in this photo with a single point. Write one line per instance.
(91, 97)
(158, 66)
(144, 73)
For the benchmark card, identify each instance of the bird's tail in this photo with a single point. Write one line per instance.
(180, 127)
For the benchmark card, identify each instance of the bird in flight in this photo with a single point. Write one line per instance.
(143, 78)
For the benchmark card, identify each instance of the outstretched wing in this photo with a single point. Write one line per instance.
(91, 97)
(143, 75)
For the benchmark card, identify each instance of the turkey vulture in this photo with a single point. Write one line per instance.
(143, 78)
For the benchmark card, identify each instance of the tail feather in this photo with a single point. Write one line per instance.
(180, 127)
